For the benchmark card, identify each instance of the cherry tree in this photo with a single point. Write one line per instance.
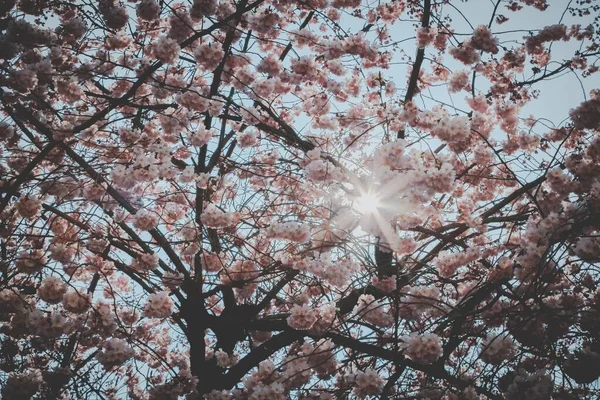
(305, 199)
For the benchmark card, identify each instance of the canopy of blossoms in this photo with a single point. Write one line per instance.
(299, 199)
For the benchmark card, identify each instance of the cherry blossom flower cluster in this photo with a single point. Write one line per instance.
(458, 81)
(536, 385)
(225, 360)
(148, 10)
(115, 352)
(386, 285)
(22, 385)
(172, 280)
(337, 272)
(165, 49)
(50, 325)
(76, 302)
(368, 383)
(145, 262)
(213, 217)
(292, 231)
(52, 289)
(373, 311)
(483, 40)
(586, 115)
(145, 220)
(158, 305)
(424, 349)
(29, 207)
(302, 317)
(31, 262)
(534, 44)
(321, 357)
(497, 348)
(448, 262)
(425, 36)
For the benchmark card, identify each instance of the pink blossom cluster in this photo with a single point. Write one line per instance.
(53, 324)
(302, 317)
(504, 270)
(29, 207)
(458, 81)
(181, 24)
(201, 137)
(193, 100)
(497, 348)
(534, 44)
(213, 217)
(529, 385)
(115, 17)
(587, 114)
(321, 357)
(225, 360)
(588, 248)
(31, 262)
(71, 92)
(159, 305)
(6, 131)
(335, 272)
(211, 262)
(148, 10)
(165, 49)
(76, 302)
(172, 280)
(465, 53)
(115, 352)
(205, 8)
(386, 285)
(292, 231)
(368, 383)
(96, 245)
(145, 220)
(145, 262)
(425, 36)
(453, 130)
(247, 139)
(209, 55)
(245, 271)
(483, 40)
(424, 349)
(263, 381)
(448, 262)
(52, 289)
(11, 301)
(373, 311)
(61, 252)
(22, 385)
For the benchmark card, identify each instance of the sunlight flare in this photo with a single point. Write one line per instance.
(367, 203)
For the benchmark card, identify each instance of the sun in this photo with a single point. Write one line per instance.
(367, 203)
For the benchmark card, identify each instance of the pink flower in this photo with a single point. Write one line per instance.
(148, 10)
(425, 36)
(52, 290)
(458, 81)
(214, 218)
(424, 349)
(145, 220)
(483, 40)
(165, 49)
(247, 139)
(368, 383)
(159, 305)
(115, 352)
(301, 317)
(76, 302)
